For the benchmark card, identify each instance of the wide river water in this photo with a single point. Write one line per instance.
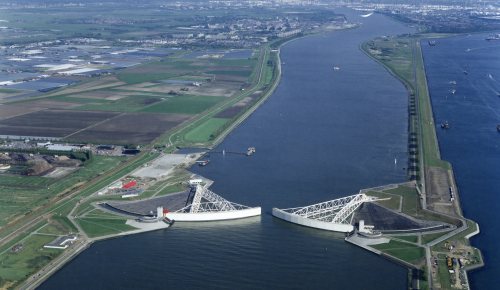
(323, 134)
(472, 144)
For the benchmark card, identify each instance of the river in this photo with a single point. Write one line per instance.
(472, 143)
(323, 134)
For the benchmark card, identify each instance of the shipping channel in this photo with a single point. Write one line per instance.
(470, 103)
(325, 133)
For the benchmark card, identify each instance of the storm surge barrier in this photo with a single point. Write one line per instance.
(209, 206)
(329, 215)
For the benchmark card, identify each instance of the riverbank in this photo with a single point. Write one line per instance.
(436, 182)
(73, 251)
(40, 276)
(312, 103)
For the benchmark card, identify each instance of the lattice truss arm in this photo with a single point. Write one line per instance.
(334, 211)
(205, 200)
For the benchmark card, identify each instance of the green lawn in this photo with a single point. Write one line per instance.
(184, 104)
(95, 227)
(404, 251)
(411, 239)
(206, 130)
(97, 213)
(410, 199)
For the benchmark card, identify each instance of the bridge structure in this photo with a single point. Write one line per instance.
(209, 206)
(330, 215)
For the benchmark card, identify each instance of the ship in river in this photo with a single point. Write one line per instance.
(493, 37)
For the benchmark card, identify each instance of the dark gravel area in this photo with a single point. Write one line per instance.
(51, 123)
(172, 202)
(386, 220)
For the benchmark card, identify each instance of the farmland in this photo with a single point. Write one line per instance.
(139, 105)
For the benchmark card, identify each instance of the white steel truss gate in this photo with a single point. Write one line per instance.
(205, 200)
(208, 206)
(329, 215)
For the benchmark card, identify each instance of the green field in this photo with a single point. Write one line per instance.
(410, 199)
(15, 267)
(137, 78)
(184, 104)
(206, 131)
(398, 54)
(431, 237)
(96, 226)
(392, 203)
(127, 104)
(431, 153)
(208, 128)
(78, 100)
(8, 91)
(19, 194)
(401, 250)
(58, 226)
(411, 239)
(240, 73)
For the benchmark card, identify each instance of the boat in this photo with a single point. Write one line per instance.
(202, 162)
(445, 125)
(453, 82)
(250, 151)
(336, 68)
(498, 128)
(493, 37)
(432, 42)
(466, 72)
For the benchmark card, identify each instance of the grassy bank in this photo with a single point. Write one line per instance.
(402, 56)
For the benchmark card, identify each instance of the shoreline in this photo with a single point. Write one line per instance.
(413, 92)
(39, 277)
(240, 119)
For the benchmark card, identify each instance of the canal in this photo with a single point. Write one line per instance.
(323, 134)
